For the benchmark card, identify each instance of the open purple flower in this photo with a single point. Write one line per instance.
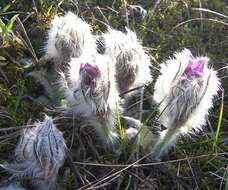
(195, 66)
(184, 98)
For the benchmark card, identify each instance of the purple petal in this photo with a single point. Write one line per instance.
(199, 65)
(195, 67)
(93, 71)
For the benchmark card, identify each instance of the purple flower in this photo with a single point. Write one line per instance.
(93, 71)
(195, 66)
(184, 98)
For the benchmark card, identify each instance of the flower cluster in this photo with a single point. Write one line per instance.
(115, 62)
(92, 73)
(93, 80)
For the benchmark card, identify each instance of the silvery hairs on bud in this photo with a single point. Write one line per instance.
(91, 94)
(68, 36)
(39, 154)
(131, 61)
(184, 92)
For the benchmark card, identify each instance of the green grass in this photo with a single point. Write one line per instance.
(219, 121)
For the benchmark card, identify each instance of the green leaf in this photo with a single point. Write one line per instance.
(219, 122)
(49, 9)
(6, 7)
(9, 25)
(120, 128)
(2, 28)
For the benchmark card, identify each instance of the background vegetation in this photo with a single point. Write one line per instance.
(198, 162)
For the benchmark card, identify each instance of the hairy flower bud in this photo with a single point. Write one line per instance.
(69, 36)
(184, 92)
(91, 94)
(39, 154)
(131, 62)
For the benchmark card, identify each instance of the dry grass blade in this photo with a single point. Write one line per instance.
(103, 184)
(27, 41)
(131, 90)
(16, 128)
(10, 136)
(199, 19)
(152, 163)
(135, 164)
(210, 11)
(106, 20)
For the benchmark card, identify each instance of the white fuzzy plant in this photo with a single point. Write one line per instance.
(87, 82)
(92, 82)
(90, 93)
(184, 92)
(39, 154)
(130, 60)
(68, 36)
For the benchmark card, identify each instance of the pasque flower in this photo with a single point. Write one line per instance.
(39, 154)
(184, 92)
(130, 60)
(91, 94)
(68, 36)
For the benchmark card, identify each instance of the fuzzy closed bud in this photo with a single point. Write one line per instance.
(130, 60)
(69, 36)
(39, 154)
